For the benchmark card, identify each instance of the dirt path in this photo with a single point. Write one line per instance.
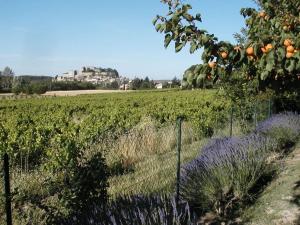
(81, 92)
(280, 202)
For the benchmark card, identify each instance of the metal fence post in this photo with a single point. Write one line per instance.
(7, 190)
(255, 116)
(179, 126)
(231, 121)
(270, 108)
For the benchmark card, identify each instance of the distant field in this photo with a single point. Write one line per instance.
(81, 92)
(6, 94)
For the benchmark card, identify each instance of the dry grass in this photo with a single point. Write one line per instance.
(147, 139)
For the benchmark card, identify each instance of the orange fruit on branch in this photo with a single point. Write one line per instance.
(263, 49)
(287, 42)
(250, 51)
(269, 47)
(290, 49)
(212, 64)
(262, 14)
(224, 55)
(289, 55)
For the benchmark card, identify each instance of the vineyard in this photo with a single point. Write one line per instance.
(53, 140)
(44, 136)
(38, 128)
(173, 157)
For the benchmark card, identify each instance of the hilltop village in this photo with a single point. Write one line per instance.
(101, 76)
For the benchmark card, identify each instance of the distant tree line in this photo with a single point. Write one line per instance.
(6, 79)
(27, 86)
(142, 84)
(40, 84)
(31, 85)
(138, 84)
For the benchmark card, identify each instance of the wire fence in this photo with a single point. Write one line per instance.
(147, 159)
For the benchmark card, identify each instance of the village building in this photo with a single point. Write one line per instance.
(90, 74)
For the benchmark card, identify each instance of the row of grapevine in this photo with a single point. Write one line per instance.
(52, 128)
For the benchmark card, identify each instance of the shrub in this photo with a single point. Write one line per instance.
(146, 210)
(141, 210)
(225, 172)
(229, 169)
(83, 188)
(284, 128)
(56, 198)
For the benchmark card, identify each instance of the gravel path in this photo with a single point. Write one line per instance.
(280, 202)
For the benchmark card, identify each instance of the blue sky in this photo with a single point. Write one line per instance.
(49, 37)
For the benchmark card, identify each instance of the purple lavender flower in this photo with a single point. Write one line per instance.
(225, 165)
(287, 120)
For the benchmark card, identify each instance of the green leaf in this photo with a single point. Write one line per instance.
(202, 76)
(264, 75)
(213, 71)
(271, 57)
(193, 48)
(190, 77)
(154, 21)
(197, 69)
(158, 27)
(297, 57)
(186, 7)
(281, 54)
(291, 66)
(204, 39)
(168, 39)
(188, 17)
(269, 67)
(168, 27)
(179, 46)
(200, 80)
(162, 28)
(198, 17)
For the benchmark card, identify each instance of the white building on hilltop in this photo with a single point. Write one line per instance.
(90, 74)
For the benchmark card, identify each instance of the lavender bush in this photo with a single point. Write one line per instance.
(138, 210)
(150, 210)
(228, 168)
(225, 171)
(284, 128)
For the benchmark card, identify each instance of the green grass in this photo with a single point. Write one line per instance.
(280, 202)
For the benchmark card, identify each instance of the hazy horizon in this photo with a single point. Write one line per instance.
(53, 37)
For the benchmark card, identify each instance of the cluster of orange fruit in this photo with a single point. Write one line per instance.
(266, 48)
(263, 15)
(288, 43)
(290, 49)
(250, 52)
